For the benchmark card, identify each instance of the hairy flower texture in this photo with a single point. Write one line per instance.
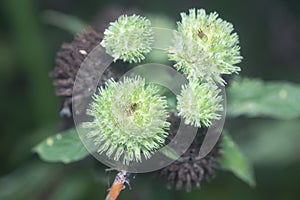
(129, 38)
(199, 103)
(130, 120)
(205, 47)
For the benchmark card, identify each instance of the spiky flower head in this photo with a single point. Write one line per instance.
(189, 170)
(129, 38)
(130, 120)
(199, 104)
(68, 60)
(205, 46)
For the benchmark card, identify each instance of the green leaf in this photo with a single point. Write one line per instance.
(69, 23)
(253, 97)
(270, 143)
(63, 147)
(28, 180)
(234, 160)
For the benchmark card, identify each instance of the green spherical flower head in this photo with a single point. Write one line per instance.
(199, 104)
(129, 38)
(205, 47)
(130, 120)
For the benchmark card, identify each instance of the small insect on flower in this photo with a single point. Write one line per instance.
(118, 185)
(132, 109)
(201, 34)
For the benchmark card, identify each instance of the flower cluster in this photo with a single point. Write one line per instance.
(128, 38)
(204, 48)
(130, 120)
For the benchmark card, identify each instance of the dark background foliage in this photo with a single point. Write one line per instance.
(269, 33)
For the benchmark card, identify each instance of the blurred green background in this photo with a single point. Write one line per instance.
(269, 33)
